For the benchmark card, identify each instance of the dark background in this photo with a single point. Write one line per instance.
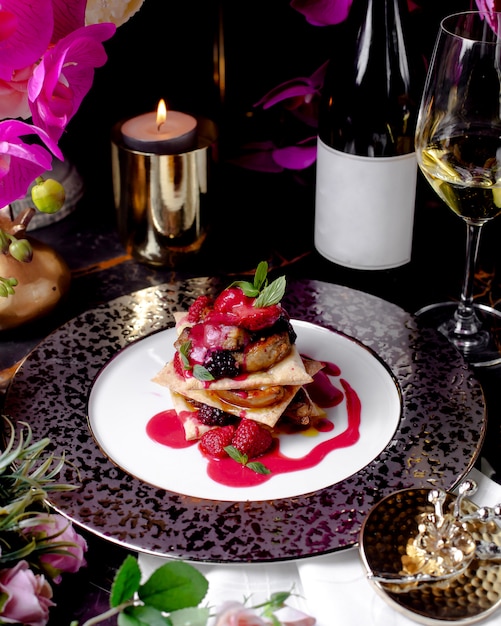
(167, 51)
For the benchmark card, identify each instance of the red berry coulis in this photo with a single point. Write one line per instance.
(166, 428)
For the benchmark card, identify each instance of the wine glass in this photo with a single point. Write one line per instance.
(458, 147)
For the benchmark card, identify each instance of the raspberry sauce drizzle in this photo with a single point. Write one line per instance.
(166, 428)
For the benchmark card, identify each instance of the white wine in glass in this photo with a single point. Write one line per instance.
(458, 146)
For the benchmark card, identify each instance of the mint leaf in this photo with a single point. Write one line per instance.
(257, 467)
(236, 455)
(248, 288)
(271, 294)
(184, 350)
(243, 459)
(126, 582)
(173, 586)
(260, 277)
(202, 373)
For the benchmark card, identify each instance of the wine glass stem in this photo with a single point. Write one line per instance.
(467, 322)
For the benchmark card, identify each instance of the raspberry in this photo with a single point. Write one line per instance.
(213, 442)
(178, 365)
(251, 439)
(210, 416)
(221, 364)
(199, 309)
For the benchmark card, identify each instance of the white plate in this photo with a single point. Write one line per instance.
(124, 399)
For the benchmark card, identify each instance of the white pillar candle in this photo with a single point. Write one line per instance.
(163, 132)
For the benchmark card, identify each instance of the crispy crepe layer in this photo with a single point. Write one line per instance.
(288, 371)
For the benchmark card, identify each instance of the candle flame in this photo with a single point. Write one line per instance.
(161, 114)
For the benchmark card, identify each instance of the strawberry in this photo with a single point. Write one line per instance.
(230, 298)
(213, 442)
(232, 306)
(251, 439)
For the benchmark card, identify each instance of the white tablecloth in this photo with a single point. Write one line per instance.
(333, 588)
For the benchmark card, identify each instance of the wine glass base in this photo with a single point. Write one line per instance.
(480, 350)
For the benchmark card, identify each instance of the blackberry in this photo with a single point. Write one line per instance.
(210, 416)
(284, 324)
(221, 364)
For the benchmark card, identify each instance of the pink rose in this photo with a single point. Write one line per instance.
(236, 614)
(28, 596)
(57, 530)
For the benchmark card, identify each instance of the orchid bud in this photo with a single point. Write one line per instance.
(7, 287)
(48, 195)
(21, 250)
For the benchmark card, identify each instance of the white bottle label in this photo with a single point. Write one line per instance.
(364, 208)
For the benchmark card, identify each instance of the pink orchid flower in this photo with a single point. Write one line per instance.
(323, 12)
(14, 94)
(69, 15)
(65, 75)
(55, 530)
(299, 95)
(25, 32)
(265, 156)
(27, 598)
(21, 163)
(329, 12)
(488, 8)
(303, 88)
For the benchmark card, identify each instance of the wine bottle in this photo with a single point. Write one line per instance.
(366, 165)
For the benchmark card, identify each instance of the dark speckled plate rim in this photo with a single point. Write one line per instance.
(439, 438)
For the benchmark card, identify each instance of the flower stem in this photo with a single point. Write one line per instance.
(109, 613)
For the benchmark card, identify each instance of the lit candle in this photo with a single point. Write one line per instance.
(163, 132)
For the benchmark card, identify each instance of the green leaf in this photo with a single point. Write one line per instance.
(184, 351)
(201, 373)
(275, 601)
(236, 455)
(257, 467)
(248, 288)
(261, 275)
(174, 585)
(272, 294)
(190, 617)
(126, 582)
(143, 616)
(243, 459)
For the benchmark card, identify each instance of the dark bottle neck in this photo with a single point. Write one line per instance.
(379, 31)
(371, 95)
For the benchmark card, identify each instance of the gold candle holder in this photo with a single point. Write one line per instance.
(161, 200)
